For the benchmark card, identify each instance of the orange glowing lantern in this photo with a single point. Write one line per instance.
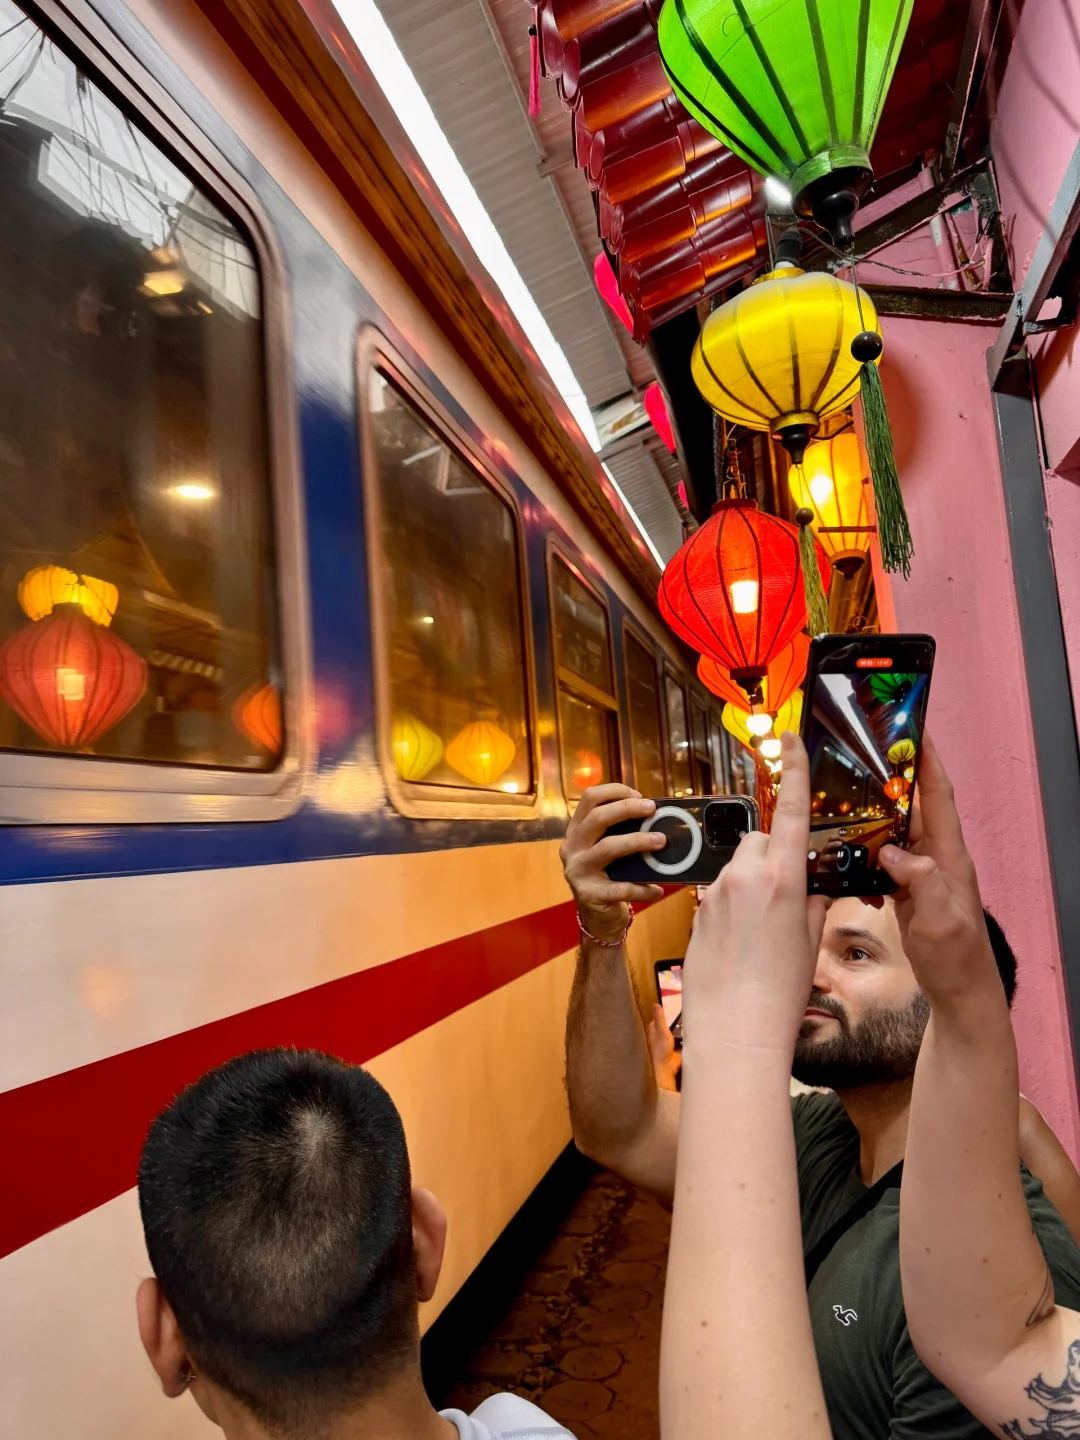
(481, 752)
(832, 483)
(844, 807)
(257, 714)
(588, 770)
(70, 679)
(896, 788)
(42, 589)
(784, 676)
(416, 747)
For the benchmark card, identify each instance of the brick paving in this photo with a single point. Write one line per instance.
(582, 1339)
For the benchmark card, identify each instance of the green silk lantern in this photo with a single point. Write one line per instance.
(796, 87)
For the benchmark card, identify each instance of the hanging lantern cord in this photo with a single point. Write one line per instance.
(894, 534)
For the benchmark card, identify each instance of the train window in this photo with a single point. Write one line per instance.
(451, 609)
(588, 710)
(699, 748)
(682, 780)
(646, 735)
(717, 754)
(138, 612)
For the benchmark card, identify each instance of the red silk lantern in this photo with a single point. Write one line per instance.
(257, 715)
(896, 788)
(785, 674)
(608, 286)
(69, 679)
(735, 589)
(657, 411)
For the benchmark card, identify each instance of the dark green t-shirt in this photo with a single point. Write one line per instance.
(876, 1387)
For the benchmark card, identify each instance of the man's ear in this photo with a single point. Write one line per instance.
(162, 1341)
(429, 1241)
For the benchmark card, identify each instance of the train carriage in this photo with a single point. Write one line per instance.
(315, 621)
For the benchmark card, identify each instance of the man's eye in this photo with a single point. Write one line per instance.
(857, 953)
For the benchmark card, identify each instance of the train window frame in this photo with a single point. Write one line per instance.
(716, 725)
(696, 703)
(58, 789)
(677, 678)
(415, 800)
(635, 633)
(567, 679)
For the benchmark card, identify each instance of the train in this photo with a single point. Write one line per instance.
(316, 617)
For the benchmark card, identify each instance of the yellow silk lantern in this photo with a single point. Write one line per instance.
(42, 589)
(832, 482)
(415, 746)
(778, 356)
(787, 717)
(481, 752)
(901, 752)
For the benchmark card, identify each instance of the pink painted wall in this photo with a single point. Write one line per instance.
(961, 592)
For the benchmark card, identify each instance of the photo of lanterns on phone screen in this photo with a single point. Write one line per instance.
(863, 743)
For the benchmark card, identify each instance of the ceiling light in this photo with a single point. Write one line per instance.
(778, 193)
(193, 490)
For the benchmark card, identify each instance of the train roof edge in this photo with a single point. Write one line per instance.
(302, 57)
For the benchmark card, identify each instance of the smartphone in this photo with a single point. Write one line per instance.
(702, 833)
(669, 993)
(864, 711)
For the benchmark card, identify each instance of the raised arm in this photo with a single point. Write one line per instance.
(977, 1289)
(620, 1117)
(737, 1355)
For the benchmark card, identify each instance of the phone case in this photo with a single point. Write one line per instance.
(691, 856)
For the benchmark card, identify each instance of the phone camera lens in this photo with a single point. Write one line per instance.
(725, 825)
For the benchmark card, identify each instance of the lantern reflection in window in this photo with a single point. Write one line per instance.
(137, 583)
(454, 630)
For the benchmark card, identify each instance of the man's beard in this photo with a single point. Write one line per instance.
(883, 1046)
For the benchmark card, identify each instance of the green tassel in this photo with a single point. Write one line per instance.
(892, 522)
(817, 610)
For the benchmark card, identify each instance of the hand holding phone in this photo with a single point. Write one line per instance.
(701, 834)
(864, 712)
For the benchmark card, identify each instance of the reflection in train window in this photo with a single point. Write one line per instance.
(646, 736)
(699, 736)
(137, 594)
(717, 754)
(587, 705)
(453, 611)
(678, 737)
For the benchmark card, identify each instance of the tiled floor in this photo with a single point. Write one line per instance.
(583, 1337)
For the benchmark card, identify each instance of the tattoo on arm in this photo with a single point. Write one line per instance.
(1060, 1404)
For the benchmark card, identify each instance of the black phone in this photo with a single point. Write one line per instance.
(669, 993)
(864, 711)
(702, 833)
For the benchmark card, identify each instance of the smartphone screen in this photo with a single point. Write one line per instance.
(863, 734)
(669, 988)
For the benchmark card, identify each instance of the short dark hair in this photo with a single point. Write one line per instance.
(1003, 954)
(276, 1199)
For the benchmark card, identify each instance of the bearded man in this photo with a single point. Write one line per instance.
(860, 1039)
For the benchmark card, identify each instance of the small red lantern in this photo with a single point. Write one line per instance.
(657, 411)
(896, 788)
(69, 679)
(608, 286)
(785, 674)
(735, 589)
(257, 715)
(844, 807)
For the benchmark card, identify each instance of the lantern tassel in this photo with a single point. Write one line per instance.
(894, 534)
(534, 73)
(817, 609)
(766, 792)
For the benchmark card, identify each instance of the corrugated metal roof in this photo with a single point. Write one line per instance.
(637, 475)
(460, 64)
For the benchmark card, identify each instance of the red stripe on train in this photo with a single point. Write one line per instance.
(72, 1141)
